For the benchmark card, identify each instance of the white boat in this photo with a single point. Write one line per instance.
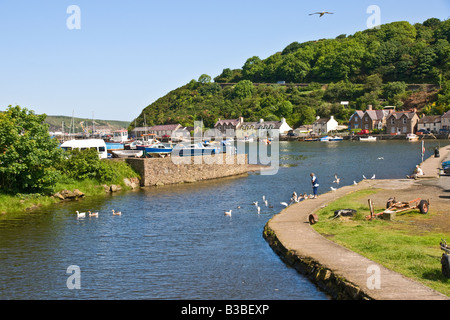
(412, 137)
(127, 153)
(83, 144)
(369, 138)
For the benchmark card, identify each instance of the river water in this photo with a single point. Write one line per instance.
(174, 242)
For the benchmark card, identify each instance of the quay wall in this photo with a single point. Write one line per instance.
(176, 170)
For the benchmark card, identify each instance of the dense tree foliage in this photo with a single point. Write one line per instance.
(27, 152)
(371, 67)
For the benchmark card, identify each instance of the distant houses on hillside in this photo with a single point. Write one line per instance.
(239, 128)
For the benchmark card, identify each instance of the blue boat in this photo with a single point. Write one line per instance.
(195, 149)
(157, 148)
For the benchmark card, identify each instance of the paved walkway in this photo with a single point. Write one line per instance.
(295, 234)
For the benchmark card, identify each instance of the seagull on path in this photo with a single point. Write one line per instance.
(321, 13)
(364, 177)
(355, 183)
(333, 189)
(373, 177)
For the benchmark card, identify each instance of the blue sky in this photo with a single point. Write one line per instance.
(127, 54)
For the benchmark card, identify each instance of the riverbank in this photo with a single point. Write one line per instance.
(341, 272)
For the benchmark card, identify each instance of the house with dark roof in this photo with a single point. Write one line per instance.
(402, 122)
(430, 123)
(445, 121)
(164, 130)
(369, 119)
(231, 124)
(324, 125)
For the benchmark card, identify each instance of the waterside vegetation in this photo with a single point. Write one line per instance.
(33, 167)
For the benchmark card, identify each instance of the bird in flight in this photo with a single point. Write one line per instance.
(321, 13)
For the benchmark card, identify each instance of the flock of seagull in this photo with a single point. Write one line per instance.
(295, 198)
(95, 214)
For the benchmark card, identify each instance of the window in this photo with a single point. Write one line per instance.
(404, 120)
(392, 121)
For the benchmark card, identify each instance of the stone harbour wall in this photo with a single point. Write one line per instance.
(163, 171)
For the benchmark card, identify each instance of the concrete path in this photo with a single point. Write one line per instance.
(296, 235)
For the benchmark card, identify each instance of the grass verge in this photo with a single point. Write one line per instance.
(399, 245)
(19, 203)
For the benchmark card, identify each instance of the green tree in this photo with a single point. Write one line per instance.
(204, 79)
(27, 152)
(243, 89)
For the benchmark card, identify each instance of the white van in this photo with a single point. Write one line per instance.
(98, 144)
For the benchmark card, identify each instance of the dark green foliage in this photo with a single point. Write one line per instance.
(27, 152)
(371, 67)
(85, 164)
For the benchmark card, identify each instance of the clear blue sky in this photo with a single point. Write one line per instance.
(127, 54)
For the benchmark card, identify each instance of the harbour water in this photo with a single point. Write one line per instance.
(174, 242)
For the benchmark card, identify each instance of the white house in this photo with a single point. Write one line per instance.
(430, 123)
(325, 125)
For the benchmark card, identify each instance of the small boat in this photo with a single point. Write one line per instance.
(369, 138)
(412, 137)
(336, 138)
(157, 148)
(194, 149)
(127, 153)
(325, 139)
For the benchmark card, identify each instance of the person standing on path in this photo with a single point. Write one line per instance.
(315, 184)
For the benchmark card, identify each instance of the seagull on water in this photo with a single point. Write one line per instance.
(228, 213)
(259, 209)
(284, 204)
(336, 179)
(321, 13)
(116, 213)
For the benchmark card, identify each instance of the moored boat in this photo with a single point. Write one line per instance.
(193, 149)
(412, 137)
(127, 153)
(369, 138)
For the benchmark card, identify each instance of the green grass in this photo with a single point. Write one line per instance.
(19, 203)
(398, 245)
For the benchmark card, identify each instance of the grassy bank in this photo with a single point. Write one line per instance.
(23, 202)
(400, 245)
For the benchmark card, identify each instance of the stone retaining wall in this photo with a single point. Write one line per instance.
(162, 171)
(324, 278)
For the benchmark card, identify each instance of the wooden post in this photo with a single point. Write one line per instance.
(371, 208)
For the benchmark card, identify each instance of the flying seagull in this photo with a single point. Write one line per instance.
(321, 13)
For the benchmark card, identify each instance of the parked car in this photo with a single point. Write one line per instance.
(362, 132)
(423, 131)
(446, 167)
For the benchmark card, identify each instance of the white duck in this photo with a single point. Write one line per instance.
(116, 213)
(81, 214)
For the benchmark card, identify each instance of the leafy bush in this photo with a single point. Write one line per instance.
(86, 164)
